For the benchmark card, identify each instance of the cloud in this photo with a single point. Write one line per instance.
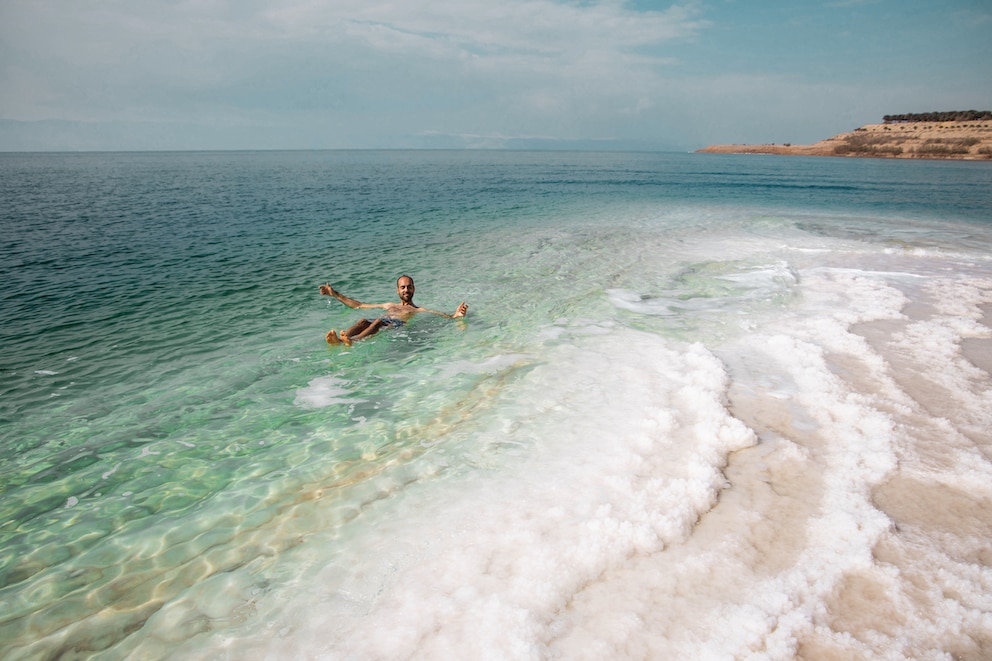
(141, 59)
(528, 27)
(339, 73)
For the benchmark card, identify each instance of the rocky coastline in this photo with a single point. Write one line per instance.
(956, 140)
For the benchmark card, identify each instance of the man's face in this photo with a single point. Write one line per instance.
(404, 287)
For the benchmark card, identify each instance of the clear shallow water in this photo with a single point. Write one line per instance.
(707, 406)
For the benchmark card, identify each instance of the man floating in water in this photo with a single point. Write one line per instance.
(396, 314)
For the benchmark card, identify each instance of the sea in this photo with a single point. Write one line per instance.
(702, 406)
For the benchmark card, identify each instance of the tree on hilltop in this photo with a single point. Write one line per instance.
(949, 116)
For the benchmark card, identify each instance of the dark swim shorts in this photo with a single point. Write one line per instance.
(392, 322)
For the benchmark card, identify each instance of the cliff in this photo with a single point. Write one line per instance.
(963, 140)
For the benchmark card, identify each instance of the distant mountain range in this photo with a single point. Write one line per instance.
(70, 136)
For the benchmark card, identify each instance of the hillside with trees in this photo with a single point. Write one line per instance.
(949, 116)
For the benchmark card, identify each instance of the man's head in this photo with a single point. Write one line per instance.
(405, 288)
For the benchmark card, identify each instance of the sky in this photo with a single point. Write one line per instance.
(549, 74)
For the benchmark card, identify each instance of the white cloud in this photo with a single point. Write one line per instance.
(537, 27)
(183, 60)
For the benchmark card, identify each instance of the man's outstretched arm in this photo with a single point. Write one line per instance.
(460, 312)
(327, 290)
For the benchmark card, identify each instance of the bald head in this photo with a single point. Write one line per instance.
(405, 288)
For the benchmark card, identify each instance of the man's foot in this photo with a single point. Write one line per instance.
(332, 337)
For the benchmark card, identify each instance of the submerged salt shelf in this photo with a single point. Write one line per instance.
(702, 407)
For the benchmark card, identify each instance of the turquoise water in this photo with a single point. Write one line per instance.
(189, 471)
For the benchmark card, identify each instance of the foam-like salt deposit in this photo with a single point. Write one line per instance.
(635, 302)
(324, 391)
(847, 579)
(623, 460)
(715, 288)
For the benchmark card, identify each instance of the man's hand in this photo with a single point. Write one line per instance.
(327, 290)
(462, 309)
